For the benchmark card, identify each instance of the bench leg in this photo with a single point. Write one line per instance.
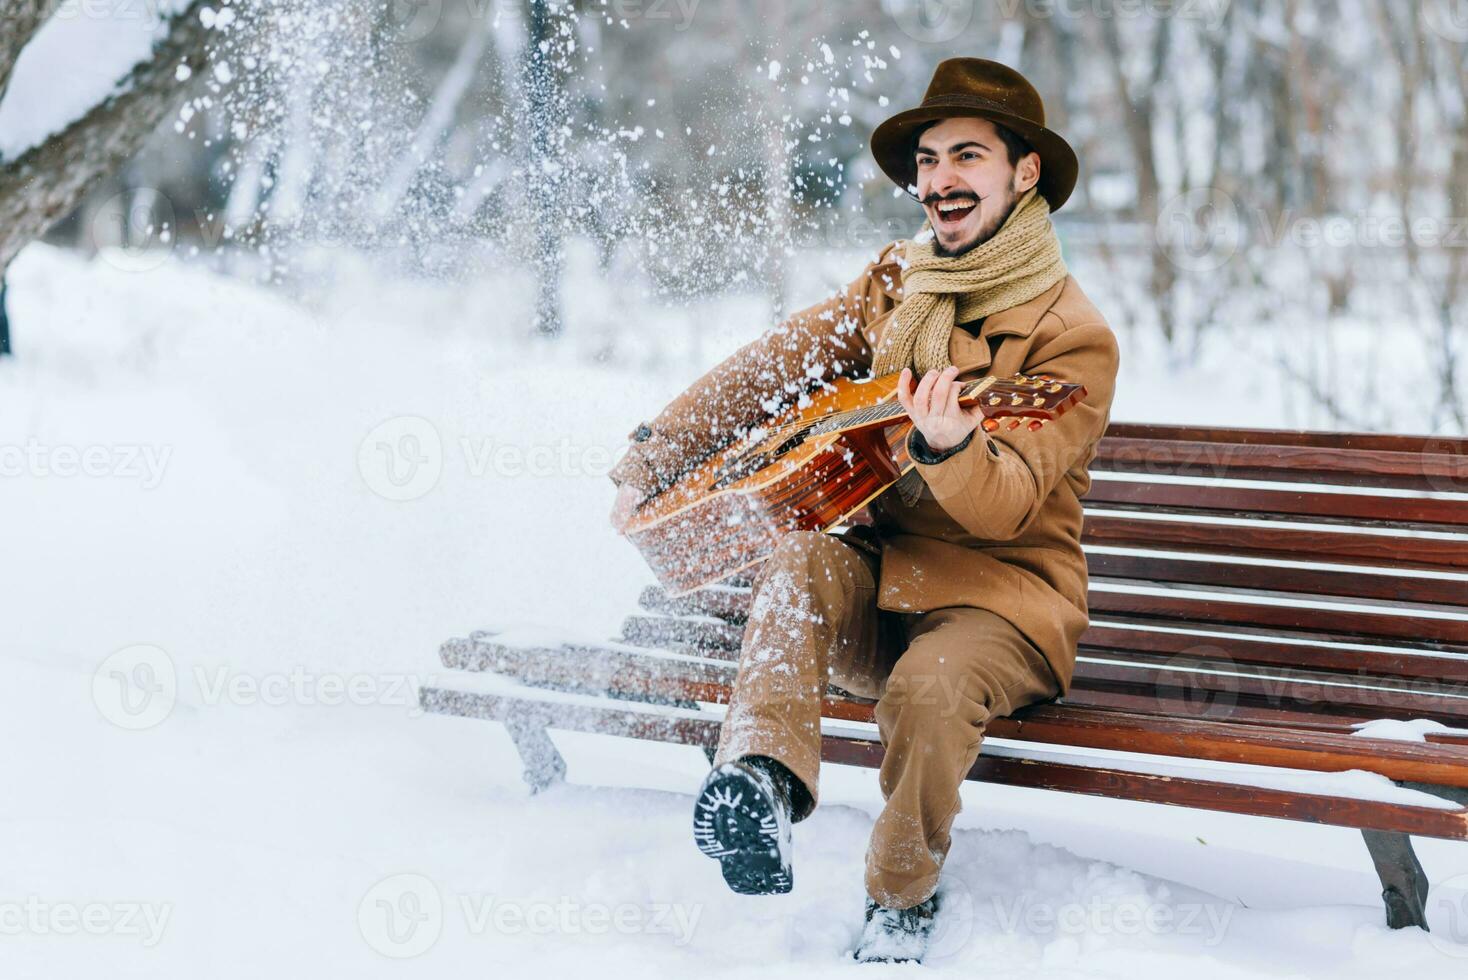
(544, 766)
(1403, 882)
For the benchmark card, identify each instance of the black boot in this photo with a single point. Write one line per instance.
(896, 935)
(742, 819)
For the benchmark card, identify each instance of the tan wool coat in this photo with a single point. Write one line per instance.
(999, 526)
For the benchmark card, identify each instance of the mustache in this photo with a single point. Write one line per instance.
(960, 196)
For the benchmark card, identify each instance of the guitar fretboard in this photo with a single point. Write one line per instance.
(880, 411)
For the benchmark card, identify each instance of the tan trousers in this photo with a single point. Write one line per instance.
(938, 677)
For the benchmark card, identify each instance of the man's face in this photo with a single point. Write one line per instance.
(966, 182)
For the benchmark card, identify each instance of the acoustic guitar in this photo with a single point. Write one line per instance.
(808, 469)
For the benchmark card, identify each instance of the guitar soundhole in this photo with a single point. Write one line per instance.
(753, 460)
(788, 445)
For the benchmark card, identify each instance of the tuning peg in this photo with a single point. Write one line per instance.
(989, 425)
(1036, 425)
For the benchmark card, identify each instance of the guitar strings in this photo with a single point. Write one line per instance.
(856, 416)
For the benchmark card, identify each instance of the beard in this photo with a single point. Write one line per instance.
(986, 230)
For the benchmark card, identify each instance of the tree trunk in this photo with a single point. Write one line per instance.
(546, 102)
(437, 121)
(5, 350)
(46, 182)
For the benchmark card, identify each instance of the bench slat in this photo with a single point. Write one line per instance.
(1221, 689)
(1157, 689)
(1445, 471)
(1124, 638)
(1288, 544)
(611, 719)
(1118, 638)
(1422, 513)
(1069, 724)
(633, 673)
(1153, 571)
(1339, 624)
(1381, 442)
(1449, 592)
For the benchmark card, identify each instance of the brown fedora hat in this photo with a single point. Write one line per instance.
(989, 90)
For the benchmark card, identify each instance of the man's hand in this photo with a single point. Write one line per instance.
(934, 408)
(628, 500)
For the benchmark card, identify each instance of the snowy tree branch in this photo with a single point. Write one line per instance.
(45, 183)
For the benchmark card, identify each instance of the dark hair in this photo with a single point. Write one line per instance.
(1015, 145)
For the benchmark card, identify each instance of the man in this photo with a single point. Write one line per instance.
(964, 598)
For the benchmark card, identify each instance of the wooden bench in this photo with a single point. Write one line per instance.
(1255, 596)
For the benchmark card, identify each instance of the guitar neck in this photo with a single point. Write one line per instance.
(891, 412)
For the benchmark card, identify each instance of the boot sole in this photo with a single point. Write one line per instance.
(736, 824)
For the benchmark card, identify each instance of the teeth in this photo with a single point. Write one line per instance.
(954, 205)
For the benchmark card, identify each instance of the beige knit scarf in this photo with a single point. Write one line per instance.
(1018, 263)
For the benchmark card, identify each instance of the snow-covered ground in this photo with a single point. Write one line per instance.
(269, 515)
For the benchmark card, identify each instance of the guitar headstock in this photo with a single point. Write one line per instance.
(1026, 400)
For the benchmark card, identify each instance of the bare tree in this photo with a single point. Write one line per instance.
(550, 40)
(1139, 97)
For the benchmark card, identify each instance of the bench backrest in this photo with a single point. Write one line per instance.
(1294, 577)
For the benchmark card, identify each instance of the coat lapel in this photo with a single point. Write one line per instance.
(973, 353)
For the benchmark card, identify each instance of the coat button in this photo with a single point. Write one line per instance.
(642, 433)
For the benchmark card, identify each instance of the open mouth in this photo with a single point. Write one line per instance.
(952, 212)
